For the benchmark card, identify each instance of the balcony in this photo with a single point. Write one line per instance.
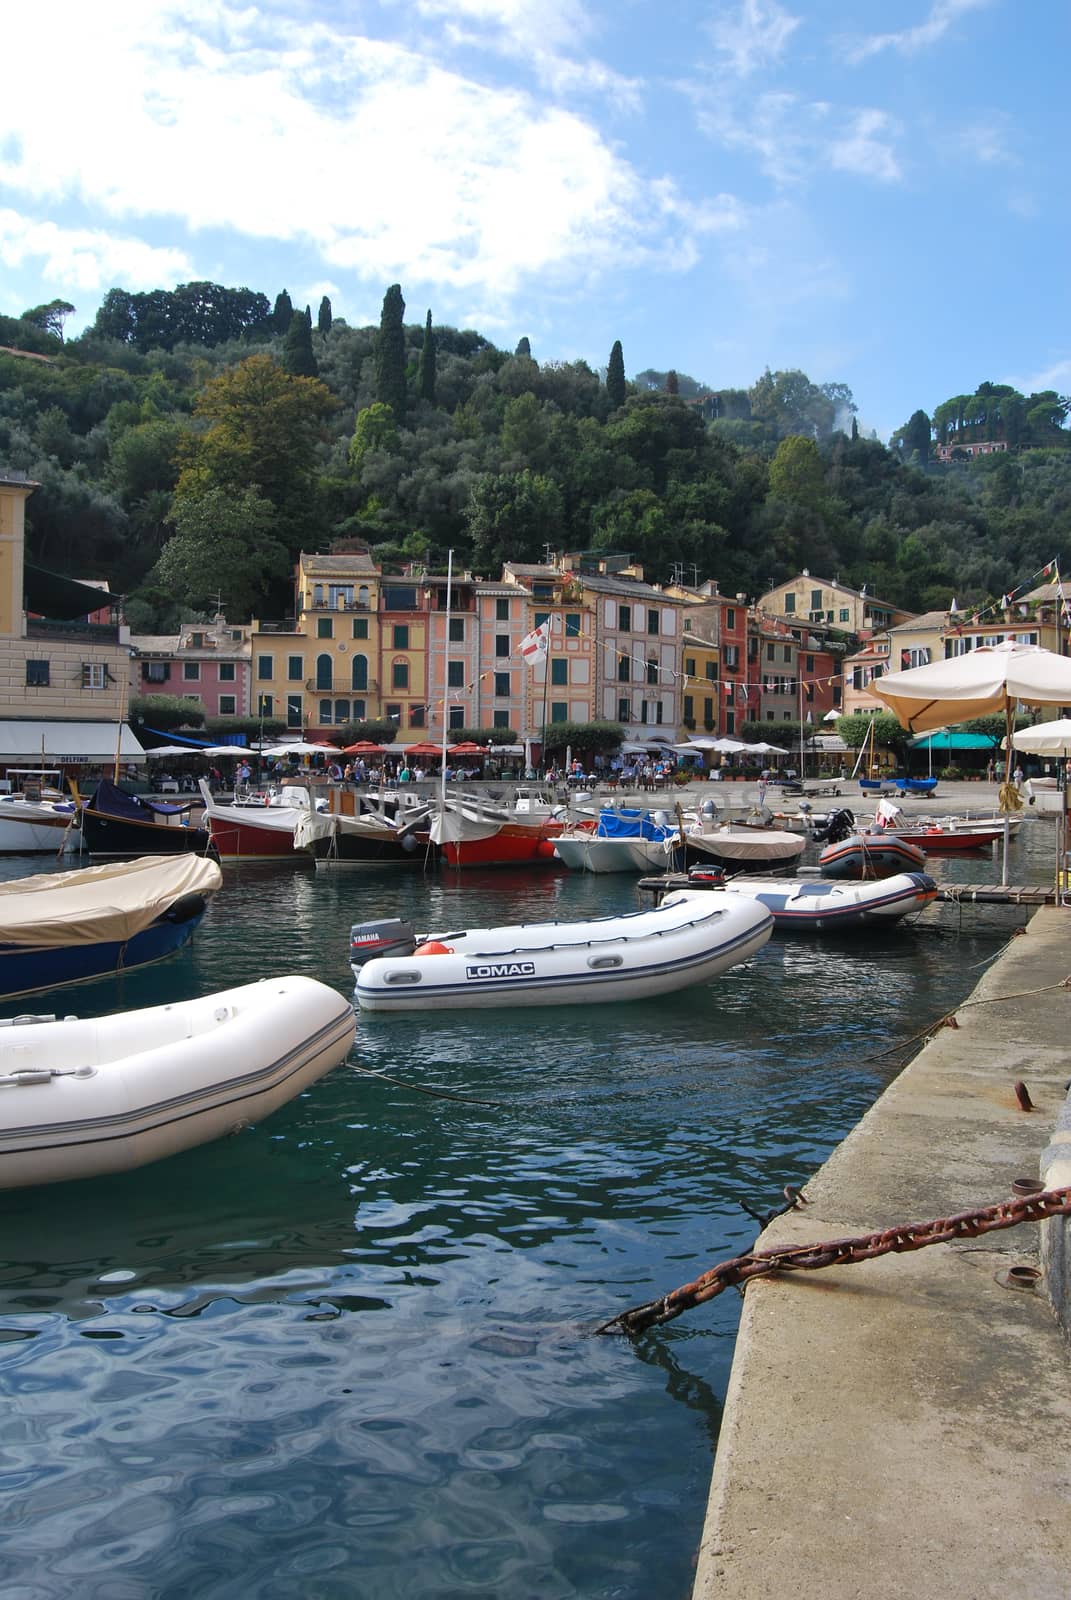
(84, 632)
(287, 626)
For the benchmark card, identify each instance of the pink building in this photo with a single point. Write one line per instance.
(205, 662)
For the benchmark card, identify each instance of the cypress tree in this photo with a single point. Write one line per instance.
(615, 377)
(524, 348)
(323, 321)
(284, 310)
(672, 385)
(427, 364)
(390, 353)
(298, 358)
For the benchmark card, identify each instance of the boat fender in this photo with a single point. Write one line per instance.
(434, 947)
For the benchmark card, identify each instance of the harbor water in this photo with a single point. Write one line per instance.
(349, 1351)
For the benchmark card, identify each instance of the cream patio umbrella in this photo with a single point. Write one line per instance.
(990, 681)
(1051, 739)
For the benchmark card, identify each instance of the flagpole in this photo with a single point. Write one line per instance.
(446, 674)
(546, 681)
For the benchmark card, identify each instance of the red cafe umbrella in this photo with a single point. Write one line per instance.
(468, 748)
(425, 748)
(364, 747)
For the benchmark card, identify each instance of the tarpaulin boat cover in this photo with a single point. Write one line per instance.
(628, 824)
(113, 802)
(98, 905)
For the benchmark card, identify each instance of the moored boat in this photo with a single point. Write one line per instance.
(629, 957)
(36, 827)
(870, 855)
(116, 824)
(260, 831)
(743, 847)
(65, 927)
(370, 838)
(85, 1097)
(815, 905)
(474, 833)
(624, 839)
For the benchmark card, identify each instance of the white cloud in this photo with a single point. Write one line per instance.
(88, 258)
(209, 117)
(909, 41)
(753, 36)
(795, 140)
(864, 146)
(1055, 376)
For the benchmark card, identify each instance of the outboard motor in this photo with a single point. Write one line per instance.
(839, 825)
(387, 936)
(708, 810)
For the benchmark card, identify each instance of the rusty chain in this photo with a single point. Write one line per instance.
(838, 1252)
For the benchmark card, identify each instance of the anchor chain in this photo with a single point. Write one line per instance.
(838, 1253)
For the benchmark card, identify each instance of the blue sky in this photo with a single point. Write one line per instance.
(874, 193)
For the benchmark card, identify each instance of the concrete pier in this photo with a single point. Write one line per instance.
(902, 1427)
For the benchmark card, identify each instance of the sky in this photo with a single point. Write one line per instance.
(874, 193)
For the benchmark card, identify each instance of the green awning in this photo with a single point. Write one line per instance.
(944, 740)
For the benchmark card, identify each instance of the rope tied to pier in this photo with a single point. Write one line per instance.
(837, 1253)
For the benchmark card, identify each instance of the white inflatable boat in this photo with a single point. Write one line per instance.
(629, 957)
(80, 1098)
(818, 905)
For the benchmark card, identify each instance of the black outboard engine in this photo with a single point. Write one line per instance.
(840, 824)
(387, 936)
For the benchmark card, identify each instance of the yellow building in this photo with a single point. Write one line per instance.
(64, 657)
(825, 600)
(700, 682)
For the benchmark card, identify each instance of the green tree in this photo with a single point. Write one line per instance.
(390, 353)
(375, 429)
(796, 472)
(324, 317)
(50, 318)
(164, 712)
(427, 364)
(511, 516)
(298, 357)
(524, 348)
(585, 738)
(284, 310)
(615, 377)
(672, 383)
(224, 540)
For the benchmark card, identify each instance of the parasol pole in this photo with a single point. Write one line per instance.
(1008, 799)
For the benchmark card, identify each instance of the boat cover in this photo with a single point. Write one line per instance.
(97, 905)
(631, 824)
(113, 802)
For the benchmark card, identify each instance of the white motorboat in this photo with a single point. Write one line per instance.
(818, 905)
(625, 840)
(630, 957)
(85, 1097)
(37, 827)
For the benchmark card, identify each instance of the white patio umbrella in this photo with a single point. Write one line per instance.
(986, 682)
(163, 751)
(1051, 739)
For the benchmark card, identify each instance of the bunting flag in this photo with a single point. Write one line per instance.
(534, 645)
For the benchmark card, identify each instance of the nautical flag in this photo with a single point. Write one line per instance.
(535, 645)
(741, 693)
(1054, 569)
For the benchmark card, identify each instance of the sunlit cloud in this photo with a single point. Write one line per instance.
(751, 35)
(87, 258)
(794, 140)
(944, 14)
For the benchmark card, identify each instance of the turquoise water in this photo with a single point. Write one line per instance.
(349, 1351)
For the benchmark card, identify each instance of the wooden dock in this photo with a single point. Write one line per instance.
(974, 894)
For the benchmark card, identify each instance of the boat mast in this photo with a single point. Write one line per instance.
(446, 674)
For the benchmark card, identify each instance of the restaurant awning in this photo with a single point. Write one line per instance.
(66, 744)
(944, 740)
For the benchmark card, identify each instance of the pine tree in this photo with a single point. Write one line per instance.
(524, 348)
(324, 320)
(672, 385)
(298, 358)
(615, 377)
(390, 353)
(284, 310)
(427, 364)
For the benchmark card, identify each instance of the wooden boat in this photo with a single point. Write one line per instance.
(85, 1097)
(65, 927)
(630, 957)
(36, 827)
(814, 905)
(474, 833)
(333, 839)
(259, 831)
(116, 824)
(742, 847)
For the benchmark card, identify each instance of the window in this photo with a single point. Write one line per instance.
(810, 663)
(317, 594)
(293, 711)
(788, 652)
(358, 711)
(399, 675)
(624, 711)
(652, 620)
(559, 671)
(501, 645)
(501, 719)
(770, 651)
(457, 716)
(342, 711)
(845, 614)
(712, 672)
(730, 722)
(265, 667)
(730, 618)
(325, 627)
(624, 669)
(360, 627)
(324, 678)
(708, 713)
(339, 595)
(295, 668)
(325, 712)
(689, 708)
(501, 610)
(359, 673)
(191, 671)
(731, 655)
(265, 705)
(226, 672)
(156, 671)
(37, 674)
(790, 604)
(543, 591)
(94, 675)
(362, 597)
(394, 713)
(400, 598)
(816, 599)
(226, 705)
(197, 641)
(455, 674)
(457, 630)
(416, 716)
(689, 666)
(559, 711)
(572, 624)
(540, 618)
(503, 685)
(401, 636)
(652, 670)
(624, 618)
